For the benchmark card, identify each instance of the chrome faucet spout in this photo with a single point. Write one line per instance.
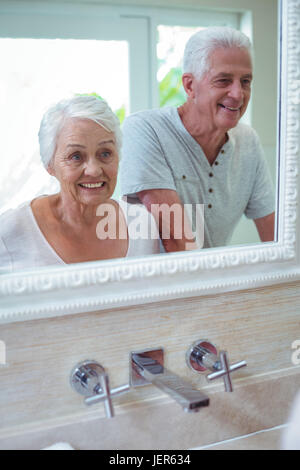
(152, 371)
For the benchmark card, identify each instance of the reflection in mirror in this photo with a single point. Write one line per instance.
(36, 74)
(170, 51)
(38, 86)
(199, 153)
(80, 141)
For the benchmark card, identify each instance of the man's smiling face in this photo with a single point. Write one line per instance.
(222, 95)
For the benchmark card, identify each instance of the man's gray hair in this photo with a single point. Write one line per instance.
(81, 107)
(200, 46)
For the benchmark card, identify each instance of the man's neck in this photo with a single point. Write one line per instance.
(209, 138)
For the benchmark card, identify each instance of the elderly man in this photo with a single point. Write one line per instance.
(199, 153)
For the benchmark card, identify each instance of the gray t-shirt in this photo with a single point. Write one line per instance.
(159, 153)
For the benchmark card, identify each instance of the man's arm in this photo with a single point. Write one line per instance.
(172, 222)
(265, 227)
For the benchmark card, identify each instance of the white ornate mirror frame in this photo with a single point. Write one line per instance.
(96, 286)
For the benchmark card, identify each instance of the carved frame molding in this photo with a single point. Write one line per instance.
(114, 284)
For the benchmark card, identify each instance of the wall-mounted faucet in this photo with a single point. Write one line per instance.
(147, 367)
(90, 380)
(202, 356)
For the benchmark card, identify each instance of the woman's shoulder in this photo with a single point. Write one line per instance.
(13, 217)
(12, 227)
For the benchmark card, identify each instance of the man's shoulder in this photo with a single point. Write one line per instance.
(244, 133)
(242, 129)
(149, 115)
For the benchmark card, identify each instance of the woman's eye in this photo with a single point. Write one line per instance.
(105, 154)
(76, 157)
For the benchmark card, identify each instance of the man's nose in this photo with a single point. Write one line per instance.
(236, 90)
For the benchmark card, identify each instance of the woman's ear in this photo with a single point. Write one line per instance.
(50, 168)
(188, 84)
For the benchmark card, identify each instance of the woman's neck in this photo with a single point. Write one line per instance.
(72, 213)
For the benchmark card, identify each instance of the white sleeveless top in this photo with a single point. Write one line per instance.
(23, 245)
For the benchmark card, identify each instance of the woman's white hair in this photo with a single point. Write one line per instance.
(82, 107)
(196, 58)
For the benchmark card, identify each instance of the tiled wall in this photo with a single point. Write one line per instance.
(38, 407)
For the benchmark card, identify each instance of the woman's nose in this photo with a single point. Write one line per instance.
(93, 167)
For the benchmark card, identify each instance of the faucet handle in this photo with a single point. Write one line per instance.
(203, 355)
(226, 370)
(107, 396)
(90, 379)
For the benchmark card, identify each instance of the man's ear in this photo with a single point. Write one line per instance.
(188, 84)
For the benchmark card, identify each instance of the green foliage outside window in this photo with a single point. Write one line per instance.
(171, 91)
(120, 113)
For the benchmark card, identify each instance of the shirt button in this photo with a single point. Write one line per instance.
(210, 190)
(211, 175)
(209, 206)
(183, 177)
(216, 163)
(222, 151)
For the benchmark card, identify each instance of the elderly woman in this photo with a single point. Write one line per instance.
(80, 140)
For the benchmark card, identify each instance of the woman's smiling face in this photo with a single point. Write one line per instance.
(85, 162)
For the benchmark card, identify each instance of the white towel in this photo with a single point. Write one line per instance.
(59, 446)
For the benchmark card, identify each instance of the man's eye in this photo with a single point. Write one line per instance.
(223, 81)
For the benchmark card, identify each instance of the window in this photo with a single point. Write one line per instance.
(36, 74)
(48, 51)
(171, 30)
(170, 48)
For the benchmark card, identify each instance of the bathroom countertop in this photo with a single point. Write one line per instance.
(269, 439)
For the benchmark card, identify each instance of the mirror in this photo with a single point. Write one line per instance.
(52, 78)
(27, 294)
